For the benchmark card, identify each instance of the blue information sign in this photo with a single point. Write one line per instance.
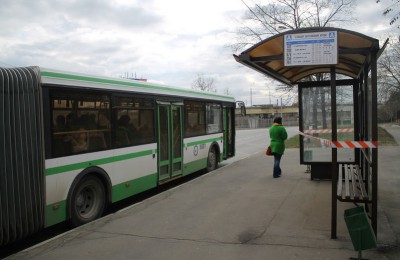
(317, 48)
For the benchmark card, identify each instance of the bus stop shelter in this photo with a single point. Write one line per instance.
(336, 74)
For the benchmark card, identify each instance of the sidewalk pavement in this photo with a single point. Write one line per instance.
(235, 212)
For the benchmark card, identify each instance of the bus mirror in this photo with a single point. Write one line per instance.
(242, 107)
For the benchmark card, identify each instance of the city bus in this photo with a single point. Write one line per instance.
(72, 144)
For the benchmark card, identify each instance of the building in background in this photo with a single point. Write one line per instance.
(260, 116)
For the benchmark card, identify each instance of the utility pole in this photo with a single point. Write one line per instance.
(269, 95)
(251, 97)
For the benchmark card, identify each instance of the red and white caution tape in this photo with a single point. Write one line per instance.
(343, 144)
(323, 131)
(355, 144)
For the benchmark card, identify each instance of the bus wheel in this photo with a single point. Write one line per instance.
(87, 202)
(212, 162)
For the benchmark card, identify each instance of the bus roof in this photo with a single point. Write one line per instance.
(56, 77)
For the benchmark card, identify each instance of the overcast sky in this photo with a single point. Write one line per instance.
(168, 42)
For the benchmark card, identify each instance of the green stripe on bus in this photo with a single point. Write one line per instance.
(204, 141)
(123, 83)
(56, 213)
(83, 165)
(195, 166)
(133, 187)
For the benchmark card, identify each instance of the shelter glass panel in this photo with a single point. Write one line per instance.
(345, 121)
(317, 123)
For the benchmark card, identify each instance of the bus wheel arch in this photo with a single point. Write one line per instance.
(213, 157)
(88, 197)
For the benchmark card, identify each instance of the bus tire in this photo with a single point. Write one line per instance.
(87, 201)
(212, 162)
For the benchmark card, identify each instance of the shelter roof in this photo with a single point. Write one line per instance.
(267, 56)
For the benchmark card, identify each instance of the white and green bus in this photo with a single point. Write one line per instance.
(72, 144)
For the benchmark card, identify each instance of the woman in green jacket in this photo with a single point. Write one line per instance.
(278, 135)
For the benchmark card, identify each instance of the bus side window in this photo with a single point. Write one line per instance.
(97, 141)
(195, 118)
(60, 124)
(80, 141)
(61, 146)
(145, 127)
(80, 122)
(134, 121)
(125, 135)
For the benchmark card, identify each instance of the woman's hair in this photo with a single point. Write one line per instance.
(278, 120)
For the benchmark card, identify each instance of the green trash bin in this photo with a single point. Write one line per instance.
(361, 233)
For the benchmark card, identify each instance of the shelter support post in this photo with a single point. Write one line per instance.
(374, 118)
(334, 153)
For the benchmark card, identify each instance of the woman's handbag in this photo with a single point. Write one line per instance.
(268, 151)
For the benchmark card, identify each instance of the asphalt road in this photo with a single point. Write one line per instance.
(252, 141)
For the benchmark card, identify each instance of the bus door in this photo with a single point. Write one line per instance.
(229, 132)
(170, 141)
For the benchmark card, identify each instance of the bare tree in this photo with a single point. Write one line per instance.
(227, 92)
(264, 20)
(390, 110)
(392, 10)
(204, 83)
(389, 72)
(270, 18)
(389, 80)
